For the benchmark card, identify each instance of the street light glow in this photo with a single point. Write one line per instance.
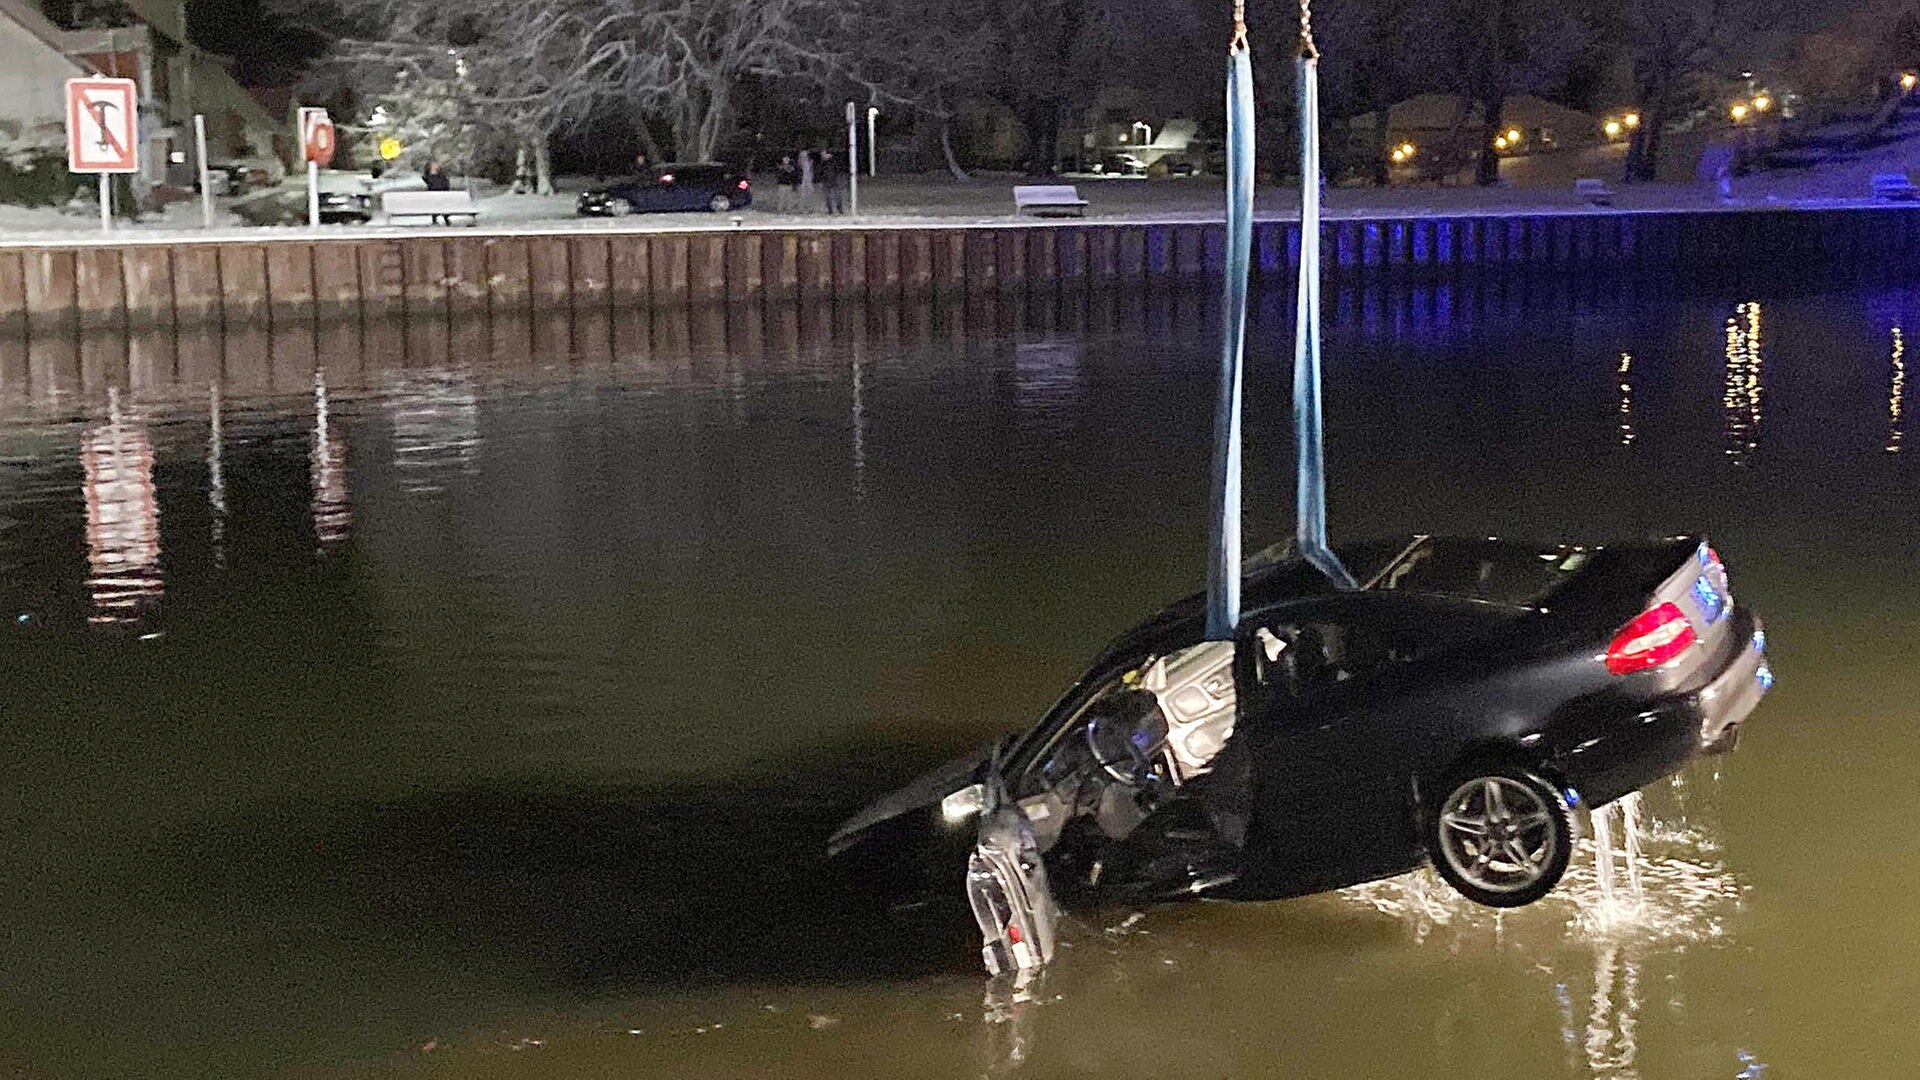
(1738, 112)
(1762, 103)
(1632, 120)
(1907, 80)
(1500, 143)
(1513, 135)
(1614, 129)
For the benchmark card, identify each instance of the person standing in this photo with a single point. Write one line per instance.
(786, 185)
(806, 180)
(831, 177)
(437, 180)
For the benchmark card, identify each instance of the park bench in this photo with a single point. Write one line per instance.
(404, 205)
(1049, 199)
(1893, 185)
(1594, 191)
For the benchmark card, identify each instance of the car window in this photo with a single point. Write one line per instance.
(1487, 571)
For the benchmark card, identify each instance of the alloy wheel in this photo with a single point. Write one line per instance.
(1498, 834)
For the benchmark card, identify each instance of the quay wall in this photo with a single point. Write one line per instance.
(133, 282)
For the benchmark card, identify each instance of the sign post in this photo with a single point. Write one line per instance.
(853, 161)
(103, 118)
(200, 162)
(317, 140)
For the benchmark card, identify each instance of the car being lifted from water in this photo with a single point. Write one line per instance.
(1457, 708)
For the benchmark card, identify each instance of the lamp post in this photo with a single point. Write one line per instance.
(873, 118)
(853, 161)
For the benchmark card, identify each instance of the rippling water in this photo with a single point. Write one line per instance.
(471, 699)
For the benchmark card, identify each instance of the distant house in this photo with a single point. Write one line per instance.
(146, 41)
(34, 68)
(1449, 126)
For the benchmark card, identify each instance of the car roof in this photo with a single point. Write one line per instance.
(1505, 576)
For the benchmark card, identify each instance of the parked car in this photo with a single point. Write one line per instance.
(670, 187)
(1120, 165)
(1457, 709)
(1181, 166)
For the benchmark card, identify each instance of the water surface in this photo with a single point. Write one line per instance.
(470, 699)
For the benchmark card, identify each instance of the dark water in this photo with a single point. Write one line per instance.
(488, 724)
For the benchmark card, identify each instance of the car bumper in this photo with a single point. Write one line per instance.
(1663, 734)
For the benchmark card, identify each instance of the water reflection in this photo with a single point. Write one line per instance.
(859, 430)
(436, 430)
(1897, 393)
(1741, 397)
(216, 476)
(1643, 887)
(332, 514)
(1046, 382)
(1625, 371)
(123, 517)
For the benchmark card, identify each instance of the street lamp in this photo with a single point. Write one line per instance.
(1632, 120)
(1738, 112)
(1613, 129)
(1908, 80)
(1513, 135)
(1501, 142)
(873, 117)
(1761, 103)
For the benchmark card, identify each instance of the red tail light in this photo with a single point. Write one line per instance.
(1658, 635)
(666, 178)
(743, 185)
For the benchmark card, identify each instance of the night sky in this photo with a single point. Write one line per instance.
(266, 50)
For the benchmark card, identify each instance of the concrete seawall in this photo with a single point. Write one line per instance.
(136, 282)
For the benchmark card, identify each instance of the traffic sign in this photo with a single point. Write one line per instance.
(103, 117)
(317, 135)
(390, 148)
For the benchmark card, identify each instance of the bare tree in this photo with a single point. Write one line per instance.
(1501, 48)
(929, 60)
(1676, 45)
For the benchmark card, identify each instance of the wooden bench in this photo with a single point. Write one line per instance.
(1893, 185)
(403, 205)
(1049, 199)
(1594, 191)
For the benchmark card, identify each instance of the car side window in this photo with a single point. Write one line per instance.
(1291, 657)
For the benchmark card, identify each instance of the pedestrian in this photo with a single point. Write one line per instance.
(831, 177)
(786, 185)
(437, 181)
(806, 181)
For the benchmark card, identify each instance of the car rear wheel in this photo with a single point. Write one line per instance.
(720, 204)
(619, 208)
(1500, 835)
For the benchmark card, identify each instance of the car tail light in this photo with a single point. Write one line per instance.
(743, 185)
(666, 178)
(1710, 560)
(1658, 635)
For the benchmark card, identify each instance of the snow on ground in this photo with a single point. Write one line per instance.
(1536, 185)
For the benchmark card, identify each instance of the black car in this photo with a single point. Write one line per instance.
(346, 207)
(670, 187)
(1457, 708)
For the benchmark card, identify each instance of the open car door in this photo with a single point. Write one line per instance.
(1007, 889)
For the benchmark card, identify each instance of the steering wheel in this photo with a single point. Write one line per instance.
(1127, 749)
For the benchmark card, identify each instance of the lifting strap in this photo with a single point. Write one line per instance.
(1223, 569)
